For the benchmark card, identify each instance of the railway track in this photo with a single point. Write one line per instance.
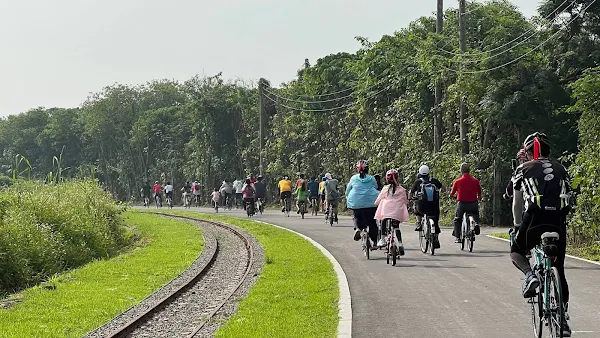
(187, 309)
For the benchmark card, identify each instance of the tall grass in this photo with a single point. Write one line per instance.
(48, 228)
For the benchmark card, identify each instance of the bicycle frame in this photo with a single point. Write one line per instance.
(542, 266)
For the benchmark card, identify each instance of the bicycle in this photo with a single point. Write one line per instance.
(365, 242)
(330, 215)
(187, 200)
(393, 240)
(302, 207)
(146, 202)
(547, 305)
(216, 206)
(249, 208)
(427, 235)
(467, 234)
(229, 202)
(288, 206)
(259, 205)
(169, 202)
(158, 201)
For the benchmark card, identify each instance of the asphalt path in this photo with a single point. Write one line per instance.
(452, 294)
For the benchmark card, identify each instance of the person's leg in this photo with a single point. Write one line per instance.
(458, 213)
(527, 238)
(359, 225)
(473, 210)
(419, 217)
(372, 224)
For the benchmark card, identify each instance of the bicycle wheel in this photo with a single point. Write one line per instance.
(394, 254)
(555, 304)
(536, 314)
(366, 245)
(387, 253)
(471, 242)
(430, 240)
(423, 241)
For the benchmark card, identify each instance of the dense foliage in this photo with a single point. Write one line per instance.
(48, 228)
(518, 75)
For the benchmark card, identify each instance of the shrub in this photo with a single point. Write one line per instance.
(46, 229)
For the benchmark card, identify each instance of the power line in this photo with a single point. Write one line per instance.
(513, 40)
(524, 55)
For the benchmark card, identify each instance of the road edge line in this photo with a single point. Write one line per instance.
(569, 256)
(345, 303)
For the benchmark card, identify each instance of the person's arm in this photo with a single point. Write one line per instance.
(348, 189)
(517, 207)
(454, 189)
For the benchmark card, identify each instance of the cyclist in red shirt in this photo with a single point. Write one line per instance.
(157, 189)
(468, 191)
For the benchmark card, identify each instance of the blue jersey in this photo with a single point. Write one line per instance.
(313, 188)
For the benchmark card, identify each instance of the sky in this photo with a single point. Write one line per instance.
(54, 53)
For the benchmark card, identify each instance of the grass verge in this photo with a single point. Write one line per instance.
(74, 303)
(590, 252)
(297, 293)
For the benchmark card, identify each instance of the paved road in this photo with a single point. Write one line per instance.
(451, 294)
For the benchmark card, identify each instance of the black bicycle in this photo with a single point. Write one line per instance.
(547, 305)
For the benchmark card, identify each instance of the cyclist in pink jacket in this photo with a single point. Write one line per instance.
(392, 203)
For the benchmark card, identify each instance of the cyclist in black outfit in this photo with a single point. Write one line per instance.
(542, 184)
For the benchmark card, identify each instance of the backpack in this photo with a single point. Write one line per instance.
(429, 192)
(250, 190)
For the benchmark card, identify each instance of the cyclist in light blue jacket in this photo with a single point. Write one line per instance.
(361, 194)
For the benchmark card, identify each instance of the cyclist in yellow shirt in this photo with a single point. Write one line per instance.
(322, 193)
(285, 191)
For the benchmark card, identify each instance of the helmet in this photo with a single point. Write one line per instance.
(464, 167)
(537, 143)
(259, 177)
(362, 166)
(328, 176)
(392, 176)
(424, 170)
(155, 182)
(323, 178)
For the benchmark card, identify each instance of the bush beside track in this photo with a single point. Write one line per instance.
(76, 302)
(297, 293)
(46, 229)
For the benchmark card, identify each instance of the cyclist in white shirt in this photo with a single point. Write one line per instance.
(169, 190)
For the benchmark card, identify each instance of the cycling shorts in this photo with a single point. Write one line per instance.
(285, 194)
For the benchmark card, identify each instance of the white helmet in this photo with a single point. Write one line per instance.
(424, 170)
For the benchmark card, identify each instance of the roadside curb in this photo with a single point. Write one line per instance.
(569, 256)
(345, 302)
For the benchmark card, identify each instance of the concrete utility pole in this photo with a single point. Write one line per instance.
(437, 116)
(261, 119)
(463, 108)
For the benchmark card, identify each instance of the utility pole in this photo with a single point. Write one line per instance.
(437, 115)
(261, 119)
(463, 107)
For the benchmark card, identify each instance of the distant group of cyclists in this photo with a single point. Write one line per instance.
(539, 188)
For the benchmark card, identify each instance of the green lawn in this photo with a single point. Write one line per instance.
(78, 301)
(297, 292)
(591, 252)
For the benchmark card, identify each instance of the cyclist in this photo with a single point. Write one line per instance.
(216, 196)
(468, 192)
(237, 188)
(146, 189)
(226, 191)
(196, 191)
(378, 180)
(322, 193)
(301, 195)
(542, 184)
(332, 195)
(186, 191)
(252, 179)
(249, 194)
(169, 191)
(157, 189)
(260, 188)
(426, 190)
(361, 194)
(300, 180)
(285, 191)
(392, 203)
(313, 188)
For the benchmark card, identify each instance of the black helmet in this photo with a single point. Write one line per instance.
(542, 140)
